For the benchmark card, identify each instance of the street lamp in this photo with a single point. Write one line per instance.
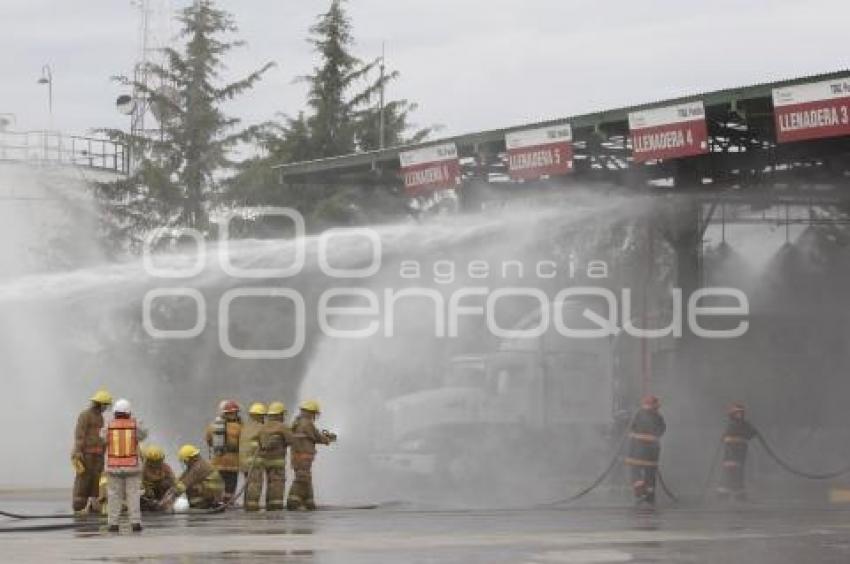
(47, 78)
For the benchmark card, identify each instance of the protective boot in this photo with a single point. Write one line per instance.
(293, 504)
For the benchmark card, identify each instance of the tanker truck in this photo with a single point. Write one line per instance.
(531, 403)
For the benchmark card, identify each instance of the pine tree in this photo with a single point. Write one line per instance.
(176, 178)
(346, 119)
(331, 125)
(343, 118)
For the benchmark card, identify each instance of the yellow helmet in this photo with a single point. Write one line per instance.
(187, 452)
(277, 408)
(154, 453)
(310, 405)
(102, 397)
(258, 408)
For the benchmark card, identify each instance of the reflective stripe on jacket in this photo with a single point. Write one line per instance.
(122, 444)
(645, 437)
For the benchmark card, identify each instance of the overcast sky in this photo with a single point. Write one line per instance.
(470, 64)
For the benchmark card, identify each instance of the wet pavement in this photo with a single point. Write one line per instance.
(754, 534)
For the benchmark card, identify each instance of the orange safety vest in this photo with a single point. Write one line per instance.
(122, 445)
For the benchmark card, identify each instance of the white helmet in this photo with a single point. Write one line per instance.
(181, 505)
(122, 406)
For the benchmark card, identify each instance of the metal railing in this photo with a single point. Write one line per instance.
(56, 148)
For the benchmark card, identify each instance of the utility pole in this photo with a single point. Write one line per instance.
(47, 78)
(137, 121)
(381, 102)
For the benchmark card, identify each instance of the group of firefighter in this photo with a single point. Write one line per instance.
(115, 473)
(644, 448)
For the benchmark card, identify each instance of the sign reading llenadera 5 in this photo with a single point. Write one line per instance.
(812, 111)
(533, 153)
(669, 132)
(429, 168)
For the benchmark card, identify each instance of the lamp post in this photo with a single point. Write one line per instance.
(47, 78)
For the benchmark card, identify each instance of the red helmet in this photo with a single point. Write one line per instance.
(229, 406)
(650, 402)
(736, 408)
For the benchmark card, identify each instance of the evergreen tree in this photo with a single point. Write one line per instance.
(176, 176)
(331, 131)
(344, 118)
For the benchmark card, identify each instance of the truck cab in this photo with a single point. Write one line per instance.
(538, 397)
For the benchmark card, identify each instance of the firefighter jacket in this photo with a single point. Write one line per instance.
(200, 480)
(157, 479)
(735, 440)
(644, 438)
(87, 434)
(228, 460)
(274, 437)
(249, 443)
(305, 436)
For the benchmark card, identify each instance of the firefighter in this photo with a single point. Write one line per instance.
(274, 438)
(223, 441)
(157, 479)
(249, 461)
(644, 449)
(124, 467)
(305, 437)
(736, 439)
(201, 483)
(87, 453)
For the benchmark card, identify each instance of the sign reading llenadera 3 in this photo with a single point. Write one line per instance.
(812, 111)
(543, 151)
(669, 132)
(429, 168)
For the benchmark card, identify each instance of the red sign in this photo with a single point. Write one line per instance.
(812, 111)
(430, 168)
(533, 153)
(669, 133)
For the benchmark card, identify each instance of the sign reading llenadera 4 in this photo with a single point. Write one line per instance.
(669, 132)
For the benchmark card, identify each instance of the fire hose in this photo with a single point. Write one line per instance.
(809, 475)
(778, 460)
(50, 516)
(665, 489)
(39, 528)
(608, 469)
(217, 509)
(611, 465)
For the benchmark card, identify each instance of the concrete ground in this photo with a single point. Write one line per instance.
(753, 534)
